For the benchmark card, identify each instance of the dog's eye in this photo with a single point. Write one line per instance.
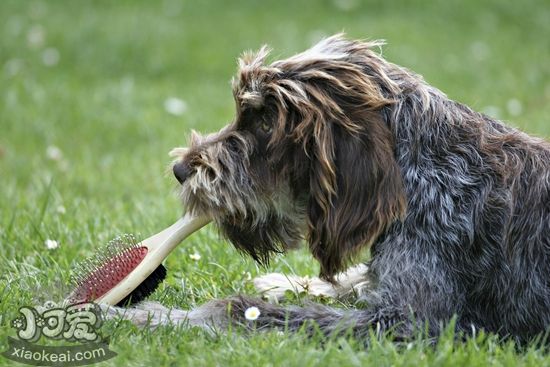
(266, 128)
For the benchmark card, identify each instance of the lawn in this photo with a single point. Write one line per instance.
(93, 95)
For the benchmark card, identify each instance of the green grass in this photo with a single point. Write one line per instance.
(101, 104)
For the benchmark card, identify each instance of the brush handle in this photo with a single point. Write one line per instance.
(159, 247)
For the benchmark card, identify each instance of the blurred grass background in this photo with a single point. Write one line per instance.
(93, 94)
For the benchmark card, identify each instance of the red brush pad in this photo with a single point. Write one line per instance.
(107, 275)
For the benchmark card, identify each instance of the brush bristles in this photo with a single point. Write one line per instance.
(99, 274)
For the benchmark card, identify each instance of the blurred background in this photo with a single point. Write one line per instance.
(93, 95)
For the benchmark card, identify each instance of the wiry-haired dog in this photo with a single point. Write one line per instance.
(340, 148)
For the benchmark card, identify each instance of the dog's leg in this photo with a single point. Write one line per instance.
(351, 283)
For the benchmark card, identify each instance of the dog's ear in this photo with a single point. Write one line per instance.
(356, 191)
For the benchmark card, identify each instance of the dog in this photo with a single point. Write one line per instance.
(339, 148)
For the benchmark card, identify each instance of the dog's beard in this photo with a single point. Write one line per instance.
(262, 239)
(258, 226)
(252, 206)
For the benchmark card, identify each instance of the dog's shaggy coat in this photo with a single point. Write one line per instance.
(341, 148)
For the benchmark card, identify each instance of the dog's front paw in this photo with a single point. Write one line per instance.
(351, 283)
(273, 286)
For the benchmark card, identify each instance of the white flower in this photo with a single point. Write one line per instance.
(50, 56)
(36, 36)
(252, 313)
(61, 209)
(175, 106)
(346, 5)
(196, 256)
(13, 67)
(51, 244)
(54, 153)
(480, 51)
(514, 107)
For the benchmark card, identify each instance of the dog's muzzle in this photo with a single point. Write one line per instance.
(181, 171)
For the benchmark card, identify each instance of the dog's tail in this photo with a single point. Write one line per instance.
(310, 316)
(256, 314)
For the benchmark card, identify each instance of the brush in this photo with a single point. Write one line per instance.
(126, 271)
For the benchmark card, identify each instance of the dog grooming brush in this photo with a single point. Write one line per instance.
(128, 271)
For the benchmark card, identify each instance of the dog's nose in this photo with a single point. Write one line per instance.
(181, 171)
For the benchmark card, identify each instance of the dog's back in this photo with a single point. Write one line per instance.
(510, 254)
(479, 193)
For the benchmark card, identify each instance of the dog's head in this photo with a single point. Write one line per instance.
(308, 156)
